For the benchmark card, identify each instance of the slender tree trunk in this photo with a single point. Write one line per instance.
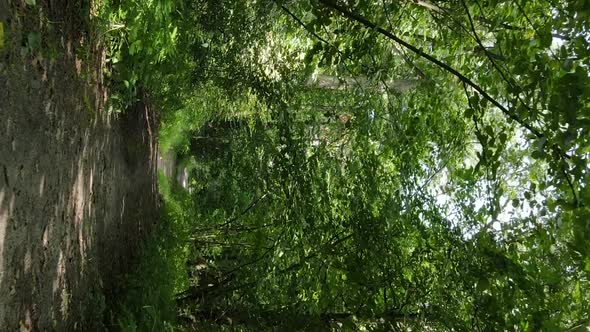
(343, 83)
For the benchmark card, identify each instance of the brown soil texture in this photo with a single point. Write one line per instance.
(78, 188)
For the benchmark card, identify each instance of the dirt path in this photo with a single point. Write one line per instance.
(77, 186)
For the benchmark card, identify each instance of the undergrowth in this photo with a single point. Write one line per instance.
(141, 39)
(149, 302)
(142, 54)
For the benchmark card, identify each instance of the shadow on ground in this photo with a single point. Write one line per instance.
(77, 185)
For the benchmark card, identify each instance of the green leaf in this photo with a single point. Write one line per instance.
(34, 41)
(483, 284)
(577, 292)
(545, 39)
(474, 100)
(568, 65)
(31, 2)
(537, 154)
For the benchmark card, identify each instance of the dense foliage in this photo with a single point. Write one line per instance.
(375, 164)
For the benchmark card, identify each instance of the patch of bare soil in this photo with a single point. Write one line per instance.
(77, 185)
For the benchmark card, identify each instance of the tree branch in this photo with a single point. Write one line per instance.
(360, 19)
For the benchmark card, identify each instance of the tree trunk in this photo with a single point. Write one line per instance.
(336, 83)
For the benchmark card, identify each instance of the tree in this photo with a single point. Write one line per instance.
(407, 163)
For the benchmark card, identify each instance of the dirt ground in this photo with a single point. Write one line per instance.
(77, 185)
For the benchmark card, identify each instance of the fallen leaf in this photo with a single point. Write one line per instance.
(1, 35)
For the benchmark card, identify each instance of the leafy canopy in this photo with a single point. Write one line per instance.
(386, 164)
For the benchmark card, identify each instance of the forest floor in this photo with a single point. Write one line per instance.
(78, 192)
